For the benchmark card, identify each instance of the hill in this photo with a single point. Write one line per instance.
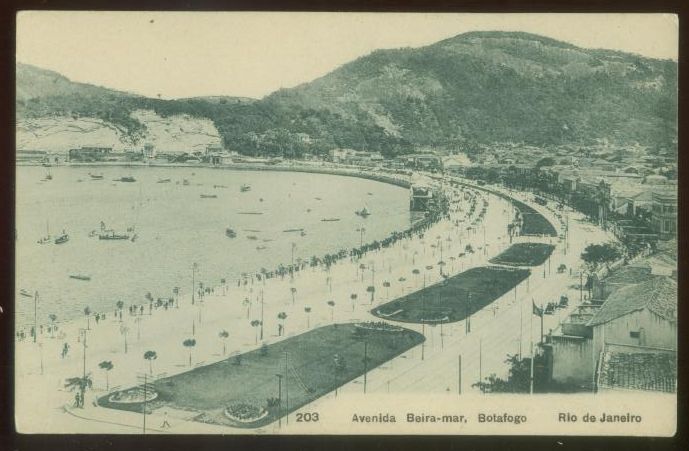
(474, 89)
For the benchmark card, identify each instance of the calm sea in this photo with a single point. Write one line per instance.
(175, 227)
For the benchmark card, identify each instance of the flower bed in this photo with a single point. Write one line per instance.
(524, 254)
(379, 326)
(245, 413)
(133, 396)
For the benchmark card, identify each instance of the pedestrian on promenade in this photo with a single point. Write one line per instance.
(165, 422)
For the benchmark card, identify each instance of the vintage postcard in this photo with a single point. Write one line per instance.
(346, 223)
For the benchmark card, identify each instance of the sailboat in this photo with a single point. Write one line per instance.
(46, 239)
(62, 238)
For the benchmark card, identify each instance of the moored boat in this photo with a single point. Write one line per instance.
(330, 219)
(244, 188)
(363, 212)
(209, 196)
(126, 179)
(111, 235)
(62, 238)
(230, 233)
(79, 277)
(164, 181)
(26, 293)
(96, 176)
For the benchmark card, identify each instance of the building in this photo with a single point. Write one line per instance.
(664, 214)
(624, 343)
(89, 154)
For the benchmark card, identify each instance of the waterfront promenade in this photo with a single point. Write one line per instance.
(500, 328)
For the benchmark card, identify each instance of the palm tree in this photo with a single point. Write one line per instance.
(124, 330)
(308, 317)
(223, 282)
(189, 343)
(386, 284)
(175, 291)
(107, 366)
(293, 290)
(332, 310)
(120, 306)
(53, 318)
(223, 336)
(81, 384)
(150, 356)
(282, 316)
(371, 289)
(87, 313)
(362, 267)
(255, 323)
(416, 272)
(353, 297)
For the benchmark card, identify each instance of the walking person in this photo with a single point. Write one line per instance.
(165, 422)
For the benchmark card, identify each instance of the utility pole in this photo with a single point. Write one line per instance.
(279, 376)
(581, 287)
(35, 320)
(261, 313)
(145, 388)
(532, 356)
(423, 327)
(480, 359)
(459, 375)
(193, 283)
(292, 267)
(286, 392)
(366, 363)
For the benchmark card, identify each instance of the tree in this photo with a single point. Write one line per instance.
(189, 343)
(332, 310)
(386, 284)
(106, 365)
(53, 318)
(81, 384)
(595, 255)
(223, 336)
(308, 317)
(150, 356)
(282, 316)
(545, 161)
(255, 323)
(124, 330)
(87, 313)
(371, 289)
(602, 198)
(120, 306)
(175, 291)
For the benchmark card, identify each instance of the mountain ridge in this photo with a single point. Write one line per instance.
(457, 94)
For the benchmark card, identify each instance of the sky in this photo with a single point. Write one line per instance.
(177, 55)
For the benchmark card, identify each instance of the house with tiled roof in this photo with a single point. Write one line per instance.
(625, 367)
(642, 315)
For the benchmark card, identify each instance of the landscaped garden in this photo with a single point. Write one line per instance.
(533, 222)
(243, 390)
(524, 254)
(454, 298)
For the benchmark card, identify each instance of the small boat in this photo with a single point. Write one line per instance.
(79, 277)
(250, 213)
(330, 219)
(230, 233)
(252, 230)
(96, 176)
(302, 233)
(244, 188)
(363, 212)
(317, 198)
(267, 240)
(111, 235)
(126, 179)
(252, 237)
(164, 181)
(219, 186)
(62, 238)
(209, 196)
(26, 293)
(293, 230)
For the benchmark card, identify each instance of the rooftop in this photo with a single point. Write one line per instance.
(638, 368)
(659, 295)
